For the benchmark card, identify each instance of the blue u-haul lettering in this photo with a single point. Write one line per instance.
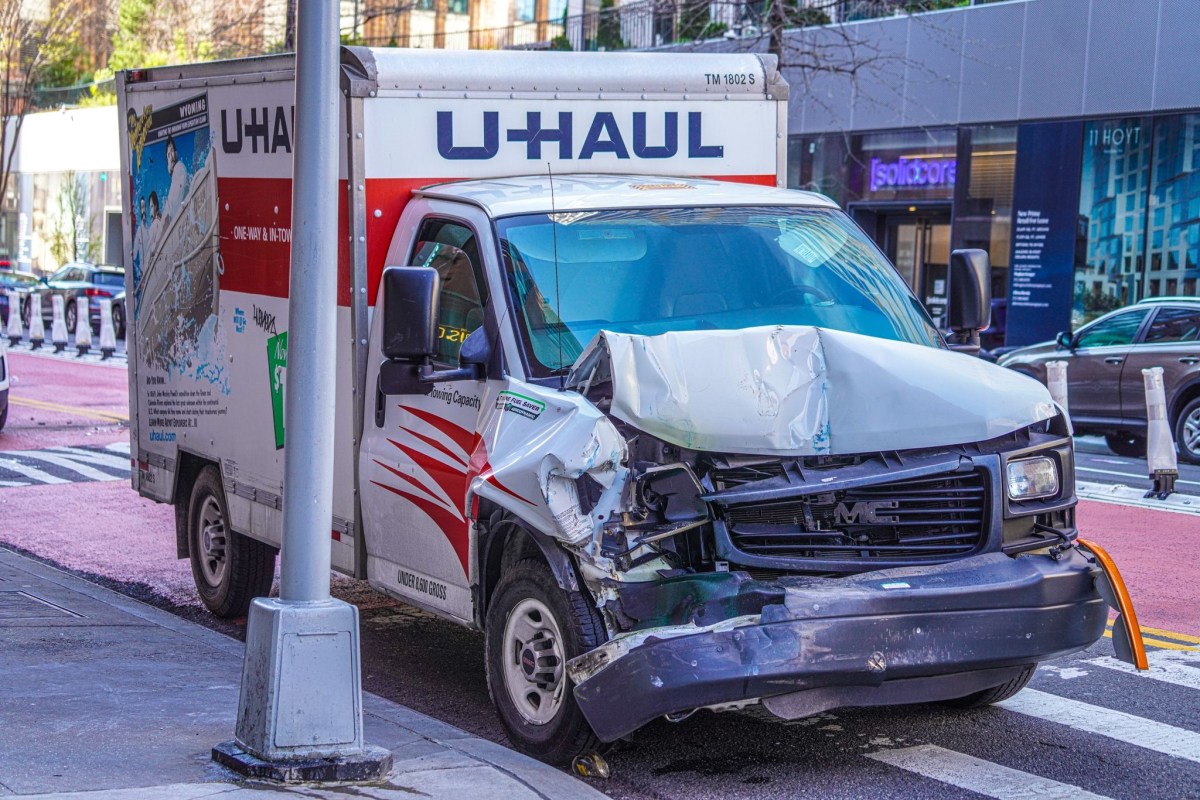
(604, 135)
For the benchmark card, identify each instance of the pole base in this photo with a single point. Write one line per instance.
(83, 349)
(372, 764)
(1164, 484)
(106, 353)
(13, 341)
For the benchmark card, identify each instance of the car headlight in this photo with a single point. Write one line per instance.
(1031, 478)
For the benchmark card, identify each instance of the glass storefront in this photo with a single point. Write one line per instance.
(1137, 233)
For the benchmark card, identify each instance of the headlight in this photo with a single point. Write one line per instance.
(1031, 478)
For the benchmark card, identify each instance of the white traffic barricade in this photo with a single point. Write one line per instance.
(1160, 447)
(16, 330)
(83, 330)
(108, 337)
(37, 328)
(58, 326)
(1056, 382)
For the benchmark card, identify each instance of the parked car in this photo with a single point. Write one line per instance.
(1105, 360)
(22, 282)
(75, 283)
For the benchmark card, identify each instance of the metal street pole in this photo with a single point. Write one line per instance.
(300, 712)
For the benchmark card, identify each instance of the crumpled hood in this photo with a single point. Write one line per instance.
(799, 390)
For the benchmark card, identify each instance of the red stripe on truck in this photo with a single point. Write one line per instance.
(256, 228)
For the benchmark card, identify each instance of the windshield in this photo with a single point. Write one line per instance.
(649, 271)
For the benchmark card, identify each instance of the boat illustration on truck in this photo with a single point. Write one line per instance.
(673, 437)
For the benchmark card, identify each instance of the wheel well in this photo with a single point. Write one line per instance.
(503, 541)
(188, 466)
(1186, 396)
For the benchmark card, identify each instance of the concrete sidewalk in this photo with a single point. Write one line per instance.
(104, 695)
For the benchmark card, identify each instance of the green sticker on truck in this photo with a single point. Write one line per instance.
(520, 404)
(277, 369)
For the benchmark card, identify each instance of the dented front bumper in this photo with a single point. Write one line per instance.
(893, 636)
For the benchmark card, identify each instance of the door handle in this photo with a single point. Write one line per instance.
(1113, 360)
(1189, 360)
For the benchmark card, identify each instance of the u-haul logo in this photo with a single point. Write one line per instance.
(595, 134)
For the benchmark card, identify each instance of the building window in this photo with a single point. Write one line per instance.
(456, 6)
(1175, 200)
(983, 201)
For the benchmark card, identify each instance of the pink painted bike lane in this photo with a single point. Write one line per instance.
(55, 402)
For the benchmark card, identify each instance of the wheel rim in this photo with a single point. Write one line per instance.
(1191, 432)
(533, 661)
(212, 542)
(70, 318)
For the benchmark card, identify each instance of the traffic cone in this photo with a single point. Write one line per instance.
(16, 330)
(58, 327)
(1056, 382)
(108, 338)
(1160, 447)
(83, 329)
(37, 328)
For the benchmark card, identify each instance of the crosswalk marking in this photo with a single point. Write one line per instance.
(979, 776)
(1167, 666)
(1157, 736)
(63, 464)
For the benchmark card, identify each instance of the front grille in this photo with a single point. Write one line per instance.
(928, 518)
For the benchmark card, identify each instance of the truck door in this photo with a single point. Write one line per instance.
(416, 449)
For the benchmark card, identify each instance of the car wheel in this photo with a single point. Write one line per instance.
(1132, 445)
(27, 313)
(3, 416)
(118, 320)
(69, 317)
(533, 629)
(1187, 431)
(229, 569)
(995, 694)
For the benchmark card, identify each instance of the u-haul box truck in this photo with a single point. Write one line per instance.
(672, 436)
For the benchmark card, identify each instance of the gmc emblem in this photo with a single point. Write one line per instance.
(865, 513)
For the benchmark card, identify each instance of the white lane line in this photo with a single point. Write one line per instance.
(69, 463)
(1169, 666)
(30, 471)
(9, 484)
(97, 458)
(1139, 476)
(119, 447)
(977, 775)
(1156, 736)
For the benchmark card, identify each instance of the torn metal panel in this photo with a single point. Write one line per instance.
(534, 444)
(799, 390)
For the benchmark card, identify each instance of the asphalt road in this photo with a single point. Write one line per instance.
(1095, 462)
(1086, 725)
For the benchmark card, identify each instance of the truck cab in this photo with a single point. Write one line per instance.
(679, 444)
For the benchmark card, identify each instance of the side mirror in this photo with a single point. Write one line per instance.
(970, 302)
(476, 351)
(410, 313)
(1065, 340)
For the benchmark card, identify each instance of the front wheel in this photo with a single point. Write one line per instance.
(997, 693)
(1187, 431)
(533, 629)
(229, 569)
(118, 321)
(1131, 445)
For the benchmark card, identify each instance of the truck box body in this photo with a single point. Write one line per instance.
(209, 352)
(673, 436)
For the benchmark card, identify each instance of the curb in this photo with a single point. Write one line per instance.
(540, 779)
(1122, 495)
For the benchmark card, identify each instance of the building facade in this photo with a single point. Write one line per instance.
(1063, 136)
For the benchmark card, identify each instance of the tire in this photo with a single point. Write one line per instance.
(1187, 431)
(995, 694)
(1131, 445)
(229, 569)
(533, 628)
(69, 316)
(3, 416)
(118, 321)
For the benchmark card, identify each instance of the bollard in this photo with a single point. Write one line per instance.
(83, 329)
(108, 338)
(16, 330)
(1160, 447)
(58, 327)
(37, 328)
(1056, 381)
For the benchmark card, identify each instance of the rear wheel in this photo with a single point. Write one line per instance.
(229, 569)
(70, 318)
(1187, 431)
(1132, 445)
(997, 693)
(118, 320)
(533, 629)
